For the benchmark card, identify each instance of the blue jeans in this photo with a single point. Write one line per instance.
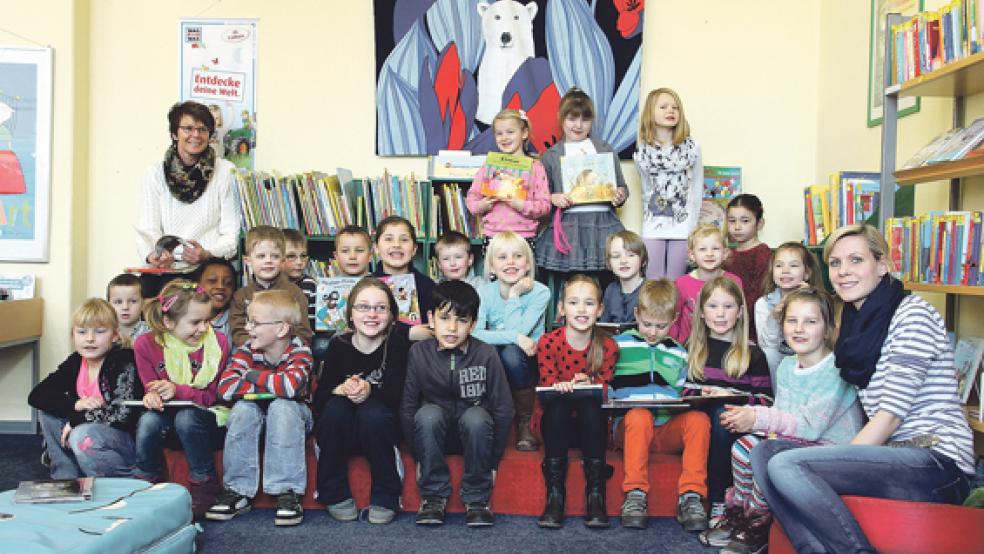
(520, 368)
(94, 449)
(370, 428)
(196, 429)
(476, 431)
(284, 463)
(803, 487)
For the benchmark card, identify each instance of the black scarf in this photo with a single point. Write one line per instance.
(863, 332)
(187, 183)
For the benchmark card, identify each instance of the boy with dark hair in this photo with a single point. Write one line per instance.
(455, 396)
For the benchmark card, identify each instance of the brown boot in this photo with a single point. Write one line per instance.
(203, 496)
(523, 399)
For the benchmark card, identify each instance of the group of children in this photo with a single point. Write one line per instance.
(208, 360)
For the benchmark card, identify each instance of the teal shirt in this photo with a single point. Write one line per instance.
(500, 321)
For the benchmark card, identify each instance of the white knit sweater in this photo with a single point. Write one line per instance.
(213, 220)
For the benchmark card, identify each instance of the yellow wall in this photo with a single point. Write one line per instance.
(778, 90)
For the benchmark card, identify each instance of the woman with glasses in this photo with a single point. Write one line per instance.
(358, 397)
(189, 196)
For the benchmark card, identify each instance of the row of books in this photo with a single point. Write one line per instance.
(850, 197)
(321, 204)
(952, 145)
(942, 248)
(931, 39)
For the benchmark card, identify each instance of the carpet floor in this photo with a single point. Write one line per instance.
(255, 531)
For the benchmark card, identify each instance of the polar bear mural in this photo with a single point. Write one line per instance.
(507, 27)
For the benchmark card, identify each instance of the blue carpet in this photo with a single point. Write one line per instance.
(255, 532)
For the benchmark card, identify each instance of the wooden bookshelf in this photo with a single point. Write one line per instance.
(966, 167)
(963, 77)
(964, 290)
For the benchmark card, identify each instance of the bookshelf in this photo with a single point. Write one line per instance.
(955, 80)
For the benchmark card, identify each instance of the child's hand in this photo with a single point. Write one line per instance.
(164, 388)
(738, 419)
(360, 390)
(564, 387)
(560, 200)
(581, 379)
(521, 287)
(707, 390)
(152, 401)
(64, 435)
(517, 204)
(619, 198)
(527, 344)
(89, 403)
(485, 205)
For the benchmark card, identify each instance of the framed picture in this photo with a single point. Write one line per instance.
(876, 58)
(25, 153)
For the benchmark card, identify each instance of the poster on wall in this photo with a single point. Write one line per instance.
(218, 69)
(876, 58)
(25, 153)
(444, 68)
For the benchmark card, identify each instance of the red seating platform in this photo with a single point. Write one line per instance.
(519, 485)
(902, 527)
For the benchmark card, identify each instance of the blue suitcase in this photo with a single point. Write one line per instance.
(124, 515)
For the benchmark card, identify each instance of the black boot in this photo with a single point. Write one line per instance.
(596, 474)
(555, 476)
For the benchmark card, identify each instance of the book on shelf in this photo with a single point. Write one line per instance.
(330, 301)
(454, 164)
(50, 491)
(848, 198)
(580, 391)
(16, 286)
(506, 176)
(942, 248)
(931, 39)
(967, 360)
(959, 144)
(923, 154)
(588, 178)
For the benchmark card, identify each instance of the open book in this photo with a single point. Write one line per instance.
(54, 490)
(167, 404)
(580, 391)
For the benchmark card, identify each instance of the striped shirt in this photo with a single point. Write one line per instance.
(249, 372)
(309, 287)
(755, 380)
(915, 380)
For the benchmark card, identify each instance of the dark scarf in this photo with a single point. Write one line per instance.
(863, 332)
(187, 183)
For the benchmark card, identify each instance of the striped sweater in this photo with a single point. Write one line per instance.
(755, 380)
(915, 380)
(249, 372)
(649, 368)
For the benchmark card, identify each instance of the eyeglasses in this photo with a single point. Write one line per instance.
(189, 129)
(295, 257)
(366, 308)
(254, 323)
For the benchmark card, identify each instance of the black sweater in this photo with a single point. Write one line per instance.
(118, 381)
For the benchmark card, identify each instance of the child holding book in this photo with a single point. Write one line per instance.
(528, 198)
(649, 361)
(396, 245)
(708, 251)
(722, 362)
(672, 176)
(268, 379)
(749, 256)
(455, 259)
(218, 278)
(181, 359)
(791, 265)
(575, 237)
(353, 251)
(456, 397)
(358, 398)
(511, 318)
(813, 406)
(265, 247)
(579, 353)
(86, 426)
(123, 293)
(626, 257)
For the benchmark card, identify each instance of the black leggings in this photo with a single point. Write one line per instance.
(567, 422)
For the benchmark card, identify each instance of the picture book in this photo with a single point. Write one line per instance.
(404, 288)
(54, 490)
(589, 178)
(507, 176)
(330, 301)
(581, 391)
(721, 184)
(967, 359)
(455, 164)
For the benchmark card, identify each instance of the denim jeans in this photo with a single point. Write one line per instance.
(430, 437)
(196, 430)
(284, 463)
(94, 449)
(520, 368)
(719, 476)
(370, 428)
(803, 487)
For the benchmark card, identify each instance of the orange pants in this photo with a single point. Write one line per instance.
(688, 432)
